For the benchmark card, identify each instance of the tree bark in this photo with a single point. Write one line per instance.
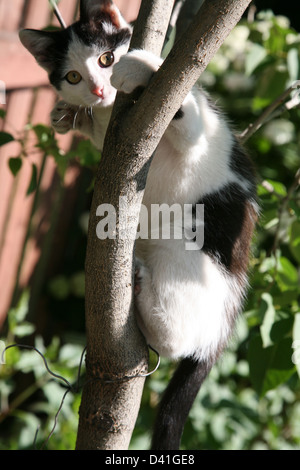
(115, 347)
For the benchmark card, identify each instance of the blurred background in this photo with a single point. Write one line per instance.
(251, 399)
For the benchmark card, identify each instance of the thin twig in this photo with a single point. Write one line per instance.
(265, 116)
(32, 348)
(57, 14)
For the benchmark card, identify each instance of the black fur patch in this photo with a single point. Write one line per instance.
(241, 164)
(93, 34)
(57, 54)
(179, 114)
(229, 219)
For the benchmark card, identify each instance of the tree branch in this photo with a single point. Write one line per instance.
(186, 15)
(150, 29)
(57, 13)
(114, 345)
(268, 113)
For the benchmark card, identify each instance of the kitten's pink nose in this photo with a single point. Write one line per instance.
(98, 91)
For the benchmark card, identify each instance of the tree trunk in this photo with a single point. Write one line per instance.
(115, 347)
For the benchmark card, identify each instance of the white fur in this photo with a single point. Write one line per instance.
(134, 69)
(183, 300)
(185, 296)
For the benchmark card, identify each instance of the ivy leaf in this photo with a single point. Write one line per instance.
(287, 275)
(15, 165)
(293, 64)
(271, 366)
(33, 182)
(294, 244)
(255, 57)
(86, 153)
(5, 138)
(268, 321)
(296, 343)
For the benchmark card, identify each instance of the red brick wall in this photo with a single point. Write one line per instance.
(24, 220)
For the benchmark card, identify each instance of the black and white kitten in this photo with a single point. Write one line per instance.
(188, 299)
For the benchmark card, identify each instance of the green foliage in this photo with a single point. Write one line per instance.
(251, 398)
(5, 138)
(83, 152)
(15, 165)
(28, 419)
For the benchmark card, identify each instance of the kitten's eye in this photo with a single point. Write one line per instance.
(73, 77)
(106, 59)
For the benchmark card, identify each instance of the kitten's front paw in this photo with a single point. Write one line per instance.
(62, 117)
(134, 70)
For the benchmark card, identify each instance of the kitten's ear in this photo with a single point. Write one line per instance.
(39, 44)
(90, 9)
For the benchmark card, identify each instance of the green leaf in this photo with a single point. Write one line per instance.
(282, 326)
(254, 58)
(44, 134)
(24, 329)
(287, 274)
(294, 243)
(293, 64)
(5, 138)
(295, 208)
(17, 315)
(28, 424)
(278, 187)
(15, 165)
(86, 153)
(280, 131)
(62, 164)
(271, 83)
(271, 366)
(33, 182)
(46, 140)
(259, 359)
(296, 343)
(59, 287)
(268, 321)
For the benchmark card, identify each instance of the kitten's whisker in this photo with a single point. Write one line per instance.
(75, 117)
(60, 119)
(91, 112)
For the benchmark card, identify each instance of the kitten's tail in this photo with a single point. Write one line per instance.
(176, 403)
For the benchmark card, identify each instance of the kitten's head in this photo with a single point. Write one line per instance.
(80, 58)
